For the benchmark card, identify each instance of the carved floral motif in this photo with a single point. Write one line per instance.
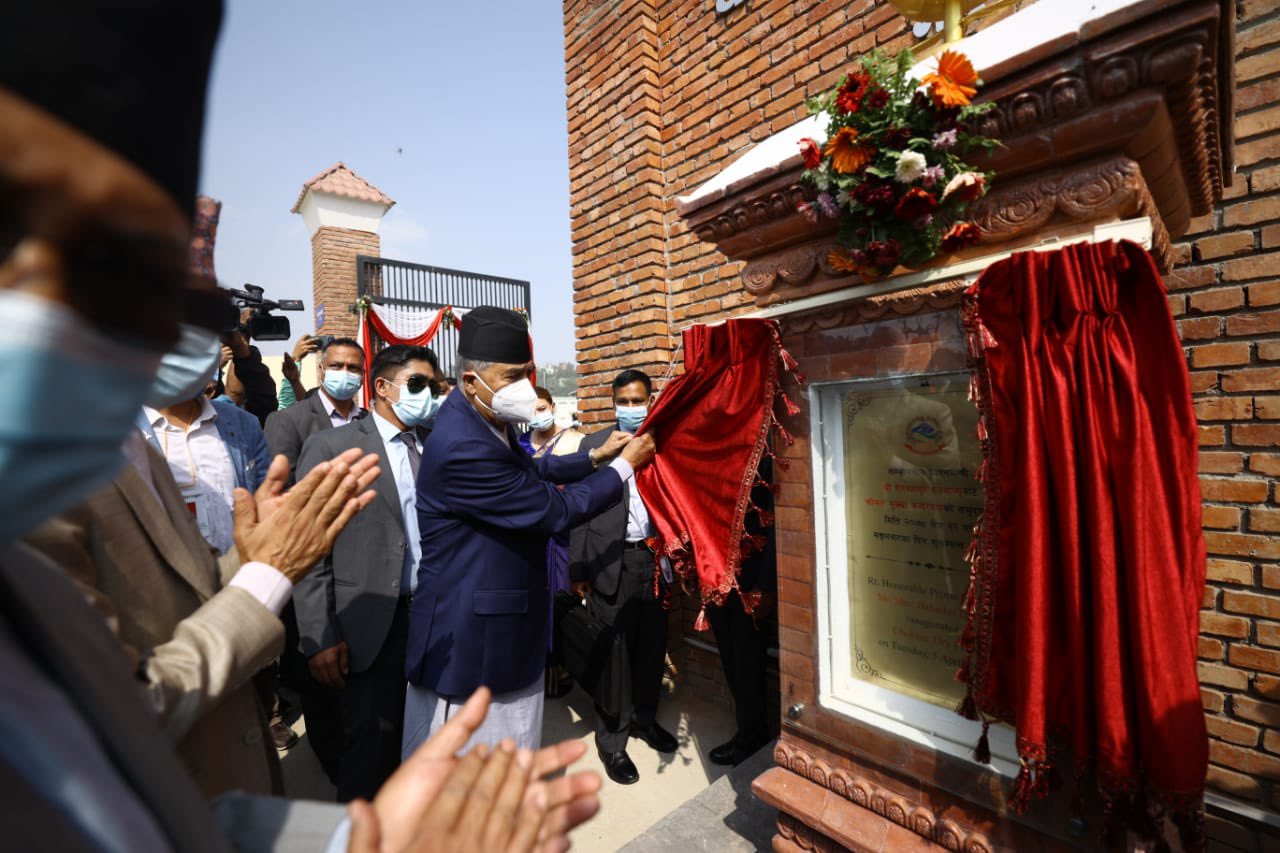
(865, 794)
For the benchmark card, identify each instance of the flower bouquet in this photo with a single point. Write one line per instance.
(891, 168)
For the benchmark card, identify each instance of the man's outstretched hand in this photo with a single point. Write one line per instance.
(487, 800)
(291, 530)
(639, 451)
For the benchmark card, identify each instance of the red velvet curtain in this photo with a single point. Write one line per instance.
(712, 425)
(1088, 566)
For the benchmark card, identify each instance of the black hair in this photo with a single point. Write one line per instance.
(389, 359)
(452, 381)
(626, 377)
(544, 394)
(343, 342)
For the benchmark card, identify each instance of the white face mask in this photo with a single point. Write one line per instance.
(512, 404)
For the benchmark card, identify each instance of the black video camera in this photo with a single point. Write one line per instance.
(263, 325)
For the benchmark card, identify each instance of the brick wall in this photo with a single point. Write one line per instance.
(333, 275)
(662, 96)
(1226, 295)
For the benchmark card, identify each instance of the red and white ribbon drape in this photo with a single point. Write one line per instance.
(415, 327)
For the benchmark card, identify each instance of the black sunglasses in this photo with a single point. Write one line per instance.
(417, 383)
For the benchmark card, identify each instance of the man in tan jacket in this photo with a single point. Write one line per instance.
(195, 643)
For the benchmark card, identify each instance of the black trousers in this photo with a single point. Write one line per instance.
(319, 703)
(743, 656)
(636, 612)
(373, 716)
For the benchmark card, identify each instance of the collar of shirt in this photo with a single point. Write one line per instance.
(157, 419)
(332, 410)
(390, 431)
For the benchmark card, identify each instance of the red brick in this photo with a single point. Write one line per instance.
(1233, 784)
(1223, 245)
(1212, 436)
(1251, 379)
(1267, 633)
(1233, 490)
(1269, 350)
(1267, 686)
(1256, 435)
(1265, 293)
(1251, 657)
(1221, 517)
(1224, 408)
(1271, 233)
(1251, 603)
(1254, 324)
(1218, 355)
(1251, 266)
(1203, 381)
(1209, 649)
(1199, 328)
(1222, 676)
(1262, 65)
(1223, 625)
(1211, 301)
(1265, 463)
(1264, 520)
(1212, 700)
(1221, 462)
(1229, 571)
(1232, 732)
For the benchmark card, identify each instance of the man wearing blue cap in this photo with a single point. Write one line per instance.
(480, 612)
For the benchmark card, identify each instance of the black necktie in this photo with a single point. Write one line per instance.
(410, 441)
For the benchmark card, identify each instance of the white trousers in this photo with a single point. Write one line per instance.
(516, 715)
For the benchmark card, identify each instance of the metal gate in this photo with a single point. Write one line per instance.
(401, 283)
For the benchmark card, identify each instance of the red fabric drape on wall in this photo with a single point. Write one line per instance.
(712, 425)
(1089, 564)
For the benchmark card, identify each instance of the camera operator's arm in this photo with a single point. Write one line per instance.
(291, 389)
(259, 387)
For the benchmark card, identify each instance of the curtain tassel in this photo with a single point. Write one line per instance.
(982, 752)
(792, 408)
(701, 623)
(790, 362)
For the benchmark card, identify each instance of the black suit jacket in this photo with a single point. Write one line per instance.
(351, 595)
(288, 429)
(595, 546)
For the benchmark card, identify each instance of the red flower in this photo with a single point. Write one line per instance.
(914, 204)
(897, 138)
(856, 85)
(961, 234)
(884, 254)
(877, 99)
(811, 152)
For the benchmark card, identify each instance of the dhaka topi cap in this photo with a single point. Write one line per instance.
(131, 75)
(494, 334)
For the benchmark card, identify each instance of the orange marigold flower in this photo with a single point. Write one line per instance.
(961, 234)
(841, 261)
(846, 154)
(952, 85)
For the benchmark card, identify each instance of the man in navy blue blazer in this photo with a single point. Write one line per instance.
(481, 608)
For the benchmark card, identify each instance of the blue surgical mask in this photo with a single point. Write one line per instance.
(631, 417)
(542, 421)
(68, 397)
(416, 409)
(342, 384)
(186, 369)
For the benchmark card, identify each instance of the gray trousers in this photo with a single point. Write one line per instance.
(517, 715)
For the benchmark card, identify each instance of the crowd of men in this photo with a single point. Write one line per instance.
(180, 537)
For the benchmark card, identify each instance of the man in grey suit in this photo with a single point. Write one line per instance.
(340, 367)
(353, 609)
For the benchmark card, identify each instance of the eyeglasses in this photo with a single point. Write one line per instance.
(417, 383)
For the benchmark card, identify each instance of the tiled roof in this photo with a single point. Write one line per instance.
(340, 180)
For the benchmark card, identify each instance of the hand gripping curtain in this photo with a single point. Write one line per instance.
(1088, 565)
(712, 425)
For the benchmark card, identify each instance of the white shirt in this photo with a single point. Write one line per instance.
(407, 489)
(639, 527)
(202, 469)
(335, 417)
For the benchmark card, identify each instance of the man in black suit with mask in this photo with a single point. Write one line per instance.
(611, 564)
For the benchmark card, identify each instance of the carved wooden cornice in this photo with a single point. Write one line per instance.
(898, 303)
(1129, 118)
(866, 794)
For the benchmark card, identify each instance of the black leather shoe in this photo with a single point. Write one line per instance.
(619, 767)
(656, 736)
(737, 750)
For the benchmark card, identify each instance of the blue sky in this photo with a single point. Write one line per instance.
(454, 109)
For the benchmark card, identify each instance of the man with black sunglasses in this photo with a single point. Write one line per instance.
(353, 610)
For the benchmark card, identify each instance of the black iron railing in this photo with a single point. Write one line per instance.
(401, 283)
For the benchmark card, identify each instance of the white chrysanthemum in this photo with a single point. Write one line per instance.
(911, 166)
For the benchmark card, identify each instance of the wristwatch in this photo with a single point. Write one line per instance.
(595, 460)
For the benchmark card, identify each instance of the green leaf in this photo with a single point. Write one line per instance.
(878, 172)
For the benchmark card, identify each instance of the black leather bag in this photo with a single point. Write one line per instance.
(593, 653)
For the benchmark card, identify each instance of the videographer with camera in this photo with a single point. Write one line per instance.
(247, 378)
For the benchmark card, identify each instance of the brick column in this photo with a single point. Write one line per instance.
(342, 211)
(333, 275)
